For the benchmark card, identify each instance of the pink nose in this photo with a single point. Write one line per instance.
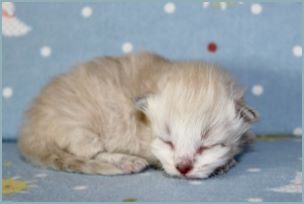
(184, 168)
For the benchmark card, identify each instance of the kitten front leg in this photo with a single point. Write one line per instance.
(83, 151)
(126, 163)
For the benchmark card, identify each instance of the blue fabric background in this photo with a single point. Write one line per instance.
(256, 48)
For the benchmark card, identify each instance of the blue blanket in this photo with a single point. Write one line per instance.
(269, 171)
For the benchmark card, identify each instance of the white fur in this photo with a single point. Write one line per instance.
(190, 109)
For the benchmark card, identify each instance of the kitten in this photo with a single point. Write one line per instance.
(117, 115)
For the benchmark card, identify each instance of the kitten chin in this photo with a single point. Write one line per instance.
(118, 115)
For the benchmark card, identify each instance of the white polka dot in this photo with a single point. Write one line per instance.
(32, 181)
(86, 11)
(256, 9)
(254, 170)
(45, 51)
(169, 7)
(127, 47)
(16, 177)
(7, 92)
(205, 4)
(255, 200)
(24, 192)
(80, 188)
(195, 182)
(42, 175)
(223, 5)
(34, 186)
(297, 51)
(241, 2)
(297, 131)
(257, 90)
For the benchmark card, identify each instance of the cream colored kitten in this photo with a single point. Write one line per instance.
(117, 115)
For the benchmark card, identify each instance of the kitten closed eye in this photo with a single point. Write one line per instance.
(169, 143)
(201, 149)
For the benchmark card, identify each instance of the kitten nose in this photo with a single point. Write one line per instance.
(184, 168)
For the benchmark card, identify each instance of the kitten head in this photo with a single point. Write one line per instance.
(198, 118)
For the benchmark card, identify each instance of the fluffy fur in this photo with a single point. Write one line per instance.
(116, 115)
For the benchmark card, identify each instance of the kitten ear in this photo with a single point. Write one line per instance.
(247, 113)
(141, 102)
(248, 137)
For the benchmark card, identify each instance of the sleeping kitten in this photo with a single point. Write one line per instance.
(117, 115)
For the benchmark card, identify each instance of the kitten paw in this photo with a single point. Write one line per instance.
(132, 164)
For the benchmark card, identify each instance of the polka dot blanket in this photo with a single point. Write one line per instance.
(258, 42)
